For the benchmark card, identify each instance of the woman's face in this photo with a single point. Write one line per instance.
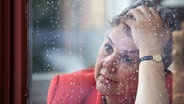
(116, 70)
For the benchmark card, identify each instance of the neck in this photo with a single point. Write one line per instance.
(120, 100)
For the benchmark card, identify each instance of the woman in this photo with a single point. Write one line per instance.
(126, 70)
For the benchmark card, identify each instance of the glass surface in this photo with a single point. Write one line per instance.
(64, 37)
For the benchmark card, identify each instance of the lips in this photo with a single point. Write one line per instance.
(107, 80)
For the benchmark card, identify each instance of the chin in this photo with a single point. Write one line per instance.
(105, 89)
(101, 89)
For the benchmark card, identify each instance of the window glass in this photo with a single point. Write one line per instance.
(64, 36)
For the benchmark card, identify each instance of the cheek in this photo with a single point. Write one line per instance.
(100, 58)
(128, 75)
(98, 65)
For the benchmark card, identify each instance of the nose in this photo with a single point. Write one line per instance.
(111, 62)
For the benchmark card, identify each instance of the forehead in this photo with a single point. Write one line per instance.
(122, 29)
(121, 38)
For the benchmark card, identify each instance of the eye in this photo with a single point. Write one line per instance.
(108, 48)
(127, 59)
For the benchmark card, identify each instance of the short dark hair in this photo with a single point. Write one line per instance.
(168, 18)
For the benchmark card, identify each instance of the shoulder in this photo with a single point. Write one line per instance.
(80, 77)
(64, 86)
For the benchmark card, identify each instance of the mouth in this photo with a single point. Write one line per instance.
(107, 80)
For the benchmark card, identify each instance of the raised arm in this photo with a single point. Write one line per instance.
(150, 37)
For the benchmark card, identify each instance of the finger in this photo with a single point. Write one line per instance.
(153, 11)
(145, 10)
(126, 29)
(129, 22)
(137, 14)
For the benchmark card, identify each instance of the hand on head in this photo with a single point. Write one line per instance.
(147, 28)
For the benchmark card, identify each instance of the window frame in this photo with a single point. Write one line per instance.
(13, 53)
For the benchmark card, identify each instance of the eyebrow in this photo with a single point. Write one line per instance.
(110, 40)
(124, 51)
(127, 30)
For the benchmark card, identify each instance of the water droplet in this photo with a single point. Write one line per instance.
(81, 91)
(80, 57)
(71, 83)
(113, 69)
(48, 65)
(70, 52)
(161, 35)
(118, 93)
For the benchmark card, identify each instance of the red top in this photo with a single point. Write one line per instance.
(80, 88)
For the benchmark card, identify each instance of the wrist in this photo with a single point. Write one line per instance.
(155, 58)
(147, 52)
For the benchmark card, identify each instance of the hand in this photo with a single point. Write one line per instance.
(147, 29)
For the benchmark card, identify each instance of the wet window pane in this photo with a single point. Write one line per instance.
(65, 36)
